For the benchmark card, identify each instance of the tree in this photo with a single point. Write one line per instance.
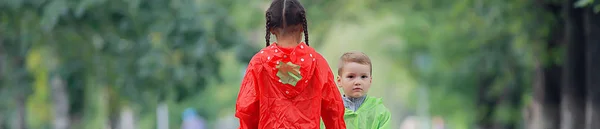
(14, 44)
(590, 18)
(573, 84)
(134, 48)
(479, 49)
(500, 54)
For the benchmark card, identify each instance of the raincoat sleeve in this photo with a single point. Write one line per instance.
(332, 106)
(384, 120)
(247, 104)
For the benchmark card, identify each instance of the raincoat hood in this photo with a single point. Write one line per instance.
(301, 62)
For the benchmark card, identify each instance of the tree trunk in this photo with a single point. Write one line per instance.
(573, 85)
(60, 101)
(591, 23)
(113, 119)
(127, 119)
(19, 121)
(544, 110)
(486, 104)
(546, 96)
(546, 89)
(531, 109)
(162, 114)
(515, 98)
(2, 115)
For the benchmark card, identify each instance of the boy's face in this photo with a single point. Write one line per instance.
(355, 79)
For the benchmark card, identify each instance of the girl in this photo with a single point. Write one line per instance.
(288, 84)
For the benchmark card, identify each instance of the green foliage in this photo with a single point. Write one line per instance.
(474, 47)
(149, 39)
(143, 51)
(116, 53)
(588, 3)
(583, 3)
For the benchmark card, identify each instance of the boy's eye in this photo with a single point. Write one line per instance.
(350, 76)
(365, 76)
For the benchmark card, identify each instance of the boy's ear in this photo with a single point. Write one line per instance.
(338, 81)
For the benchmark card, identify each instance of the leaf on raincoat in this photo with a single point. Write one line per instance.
(289, 73)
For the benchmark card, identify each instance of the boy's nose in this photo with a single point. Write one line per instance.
(357, 83)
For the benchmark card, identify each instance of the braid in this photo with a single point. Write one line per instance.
(268, 34)
(281, 15)
(304, 26)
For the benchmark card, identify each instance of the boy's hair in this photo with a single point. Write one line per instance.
(283, 13)
(356, 57)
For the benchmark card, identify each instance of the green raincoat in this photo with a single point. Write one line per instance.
(372, 114)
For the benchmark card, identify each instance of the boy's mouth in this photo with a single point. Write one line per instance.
(357, 89)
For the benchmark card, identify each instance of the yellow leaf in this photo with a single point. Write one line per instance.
(176, 57)
(34, 59)
(156, 39)
(38, 105)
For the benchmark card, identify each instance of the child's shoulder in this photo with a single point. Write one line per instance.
(261, 55)
(265, 53)
(382, 112)
(378, 103)
(317, 56)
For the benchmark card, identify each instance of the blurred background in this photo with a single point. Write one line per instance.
(166, 64)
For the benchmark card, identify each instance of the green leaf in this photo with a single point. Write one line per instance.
(134, 6)
(13, 4)
(52, 13)
(583, 3)
(597, 9)
(85, 4)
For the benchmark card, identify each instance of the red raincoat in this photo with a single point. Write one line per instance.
(265, 102)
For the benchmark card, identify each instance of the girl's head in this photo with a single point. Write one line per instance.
(286, 19)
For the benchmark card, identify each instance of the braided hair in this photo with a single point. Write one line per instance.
(283, 13)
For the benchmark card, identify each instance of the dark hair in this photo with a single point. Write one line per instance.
(284, 13)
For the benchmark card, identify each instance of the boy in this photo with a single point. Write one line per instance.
(354, 77)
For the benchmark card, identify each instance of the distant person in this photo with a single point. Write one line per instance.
(411, 122)
(191, 120)
(288, 84)
(438, 123)
(354, 77)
